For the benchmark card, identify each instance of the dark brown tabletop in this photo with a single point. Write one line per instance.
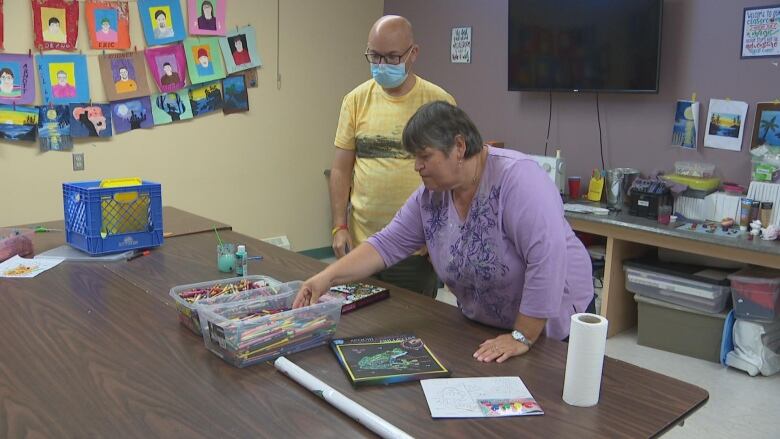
(176, 222)
(634, 402)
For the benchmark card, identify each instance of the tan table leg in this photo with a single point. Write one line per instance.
(617, 304)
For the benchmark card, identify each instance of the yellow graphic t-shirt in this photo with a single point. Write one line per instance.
(371, 123)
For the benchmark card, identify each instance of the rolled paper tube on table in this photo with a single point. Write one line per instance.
(347, 406)
(584, 360)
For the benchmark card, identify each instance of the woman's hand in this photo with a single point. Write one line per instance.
(311, 290)
(500, 349)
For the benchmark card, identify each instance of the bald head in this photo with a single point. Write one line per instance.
(391, 31)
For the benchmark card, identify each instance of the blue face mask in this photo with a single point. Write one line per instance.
(389, 75)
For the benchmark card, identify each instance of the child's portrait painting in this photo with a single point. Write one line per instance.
(64, 78)
(108, 24)
(240, 49)
(123, 75)
(206, 17)
(204, 59)
(162, 21)
(55, 24)
(17, 79)
(168, 67)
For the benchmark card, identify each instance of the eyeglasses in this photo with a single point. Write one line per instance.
(375, 58)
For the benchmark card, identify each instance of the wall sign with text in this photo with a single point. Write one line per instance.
(761, 32)
(460, 52)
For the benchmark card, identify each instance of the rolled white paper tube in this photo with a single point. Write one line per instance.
(336, 399)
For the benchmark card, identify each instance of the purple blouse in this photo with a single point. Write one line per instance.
(513, 253)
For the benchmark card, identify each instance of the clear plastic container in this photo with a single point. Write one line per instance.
(756, 294)
(188, 309)
(701, 296)
(247, 332)
(694, 169)
(14, 241)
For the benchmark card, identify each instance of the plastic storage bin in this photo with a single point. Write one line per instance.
(756, 294)
(677, 329)
(702, 289)
(101, 220)
(253, 286)
(15, 242)
(694, 169)
(247, 332)
(699, 184)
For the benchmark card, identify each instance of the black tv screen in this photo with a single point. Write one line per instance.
(585, 45)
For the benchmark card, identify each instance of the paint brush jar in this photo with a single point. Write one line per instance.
(226, 257)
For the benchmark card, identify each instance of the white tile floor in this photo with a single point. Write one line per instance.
(740, 406)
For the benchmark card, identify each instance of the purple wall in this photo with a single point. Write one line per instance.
(700, 52)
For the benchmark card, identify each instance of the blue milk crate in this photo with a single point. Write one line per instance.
(110, 220)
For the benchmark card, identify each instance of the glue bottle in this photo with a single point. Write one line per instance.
(241, 263)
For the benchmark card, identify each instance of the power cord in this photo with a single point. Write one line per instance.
(601, 141)
(549, 121)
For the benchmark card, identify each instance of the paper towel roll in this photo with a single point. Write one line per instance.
(587, 340)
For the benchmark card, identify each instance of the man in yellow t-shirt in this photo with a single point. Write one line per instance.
(125, 84)
(370, 159)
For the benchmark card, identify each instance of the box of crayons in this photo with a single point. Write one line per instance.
(246, 332)
(189, 297)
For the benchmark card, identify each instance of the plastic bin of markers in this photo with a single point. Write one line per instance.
(188, 298)
(244, 333)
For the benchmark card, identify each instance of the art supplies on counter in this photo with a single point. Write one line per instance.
(246, 332)
(188, 297)
(484, 397)
(387, 360)
(357, 295)
(20, 267)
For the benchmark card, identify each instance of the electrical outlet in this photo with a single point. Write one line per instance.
(78, 161)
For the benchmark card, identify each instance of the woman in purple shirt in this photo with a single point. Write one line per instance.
(493, 223)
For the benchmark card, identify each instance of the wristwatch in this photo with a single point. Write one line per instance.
(517, 335)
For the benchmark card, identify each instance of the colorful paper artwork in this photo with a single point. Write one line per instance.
(250, 77)
(63, 78)
(236, 98)
(123, 75)
(206, 98)
(131, 114)
(171, 107)
(54, 128)
(204, 59)
(686, 124)
(240, 49)
(162, 21)
(17, 79)
(18, 123)
(766, 125)
(206, 17)
(108, 24)
(90, 120)
(168, 66)
(56, 24)
(725, 124)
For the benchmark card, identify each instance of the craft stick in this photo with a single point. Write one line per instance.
(347, 406)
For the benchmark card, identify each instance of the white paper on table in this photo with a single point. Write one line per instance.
(725, 124)
(27, 267)
(461, 397)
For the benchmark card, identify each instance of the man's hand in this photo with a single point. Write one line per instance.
(342, 243)
(500, 349)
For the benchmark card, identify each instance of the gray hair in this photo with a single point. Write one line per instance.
(436, 124)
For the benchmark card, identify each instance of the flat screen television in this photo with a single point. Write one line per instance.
(585, 45)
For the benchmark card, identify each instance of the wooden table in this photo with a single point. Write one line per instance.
(176, 222)
(631, 237)
(96, 350)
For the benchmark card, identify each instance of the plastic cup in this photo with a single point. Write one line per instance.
(226, 257)
(664, 215)
(574, 187)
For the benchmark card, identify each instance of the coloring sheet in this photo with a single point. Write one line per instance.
(484, 397)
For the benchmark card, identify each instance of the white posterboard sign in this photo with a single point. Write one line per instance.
(761, 32)
(460, 52)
